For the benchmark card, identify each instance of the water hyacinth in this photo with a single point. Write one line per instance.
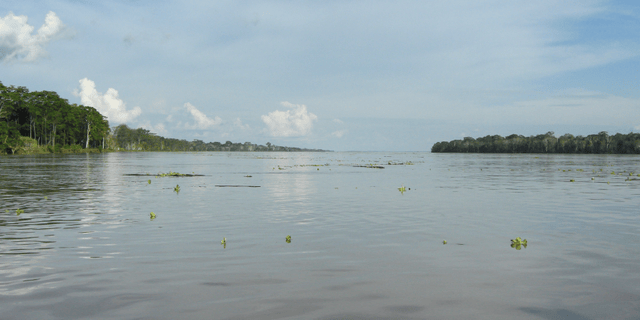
(517, 243)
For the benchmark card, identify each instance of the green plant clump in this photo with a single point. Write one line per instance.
(517, 243)
(288, 239)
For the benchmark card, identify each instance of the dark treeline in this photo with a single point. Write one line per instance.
(48, 119)
(140, 139)
(601, 143)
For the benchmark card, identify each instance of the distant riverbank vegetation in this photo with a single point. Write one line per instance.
(601, 143)
(43, 122)
(125, 138)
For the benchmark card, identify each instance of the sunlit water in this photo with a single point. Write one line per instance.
(360, 249)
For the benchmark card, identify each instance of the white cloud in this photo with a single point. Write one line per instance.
(338, 121)
(17, 42)
(202, 121)
(339, 133)
(238, 123)
(109, 104)
(290, 123)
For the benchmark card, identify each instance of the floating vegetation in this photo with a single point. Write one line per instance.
(149, 181)
(177, 188)
(403, 189)
(152, 215)
(235, 186)
(224, 242)
(370, 166)
(247, 176)
(444, 241)
(288, 239)
(19, 211)
(45, 197)
(408, 163)
(160, 175)
(518, 243)
(572, 180)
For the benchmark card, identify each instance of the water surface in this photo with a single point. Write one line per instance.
(360, 249)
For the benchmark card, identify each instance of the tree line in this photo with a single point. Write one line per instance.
(48, 119)
(601, 143)
(125, 138)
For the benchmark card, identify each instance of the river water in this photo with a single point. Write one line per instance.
(85, 246)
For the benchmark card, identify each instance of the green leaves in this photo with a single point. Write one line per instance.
(19, 211)
(152, 215)
(288, 239)
(444, 241)
(177, 188)
(518, 243)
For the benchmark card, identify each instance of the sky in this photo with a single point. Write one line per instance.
(335, 75)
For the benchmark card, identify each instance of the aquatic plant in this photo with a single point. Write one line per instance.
(444, 241)
(518, 242)
(572, 180)
(149, 181)
(247, 176)
(152, 215)
(402, 189)
(45, 197)
(288, 239)
(172, 174)
(224, 241)
(177, 188)
(19, 211)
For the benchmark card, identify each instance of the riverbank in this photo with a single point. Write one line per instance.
(30, 146)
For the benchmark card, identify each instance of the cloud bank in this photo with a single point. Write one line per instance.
(201, 119)
(109, 104)
(291, 123)
(17, 42)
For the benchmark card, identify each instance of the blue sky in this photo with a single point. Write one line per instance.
(339, 75)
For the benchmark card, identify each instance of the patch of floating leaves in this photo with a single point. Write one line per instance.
(518, 243)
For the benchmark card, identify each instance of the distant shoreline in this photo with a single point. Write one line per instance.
(601, 143)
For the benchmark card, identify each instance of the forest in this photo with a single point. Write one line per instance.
(47, 120)
(42, 121)
(601, 143)
(125, 138)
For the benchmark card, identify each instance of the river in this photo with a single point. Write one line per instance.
(77, 240)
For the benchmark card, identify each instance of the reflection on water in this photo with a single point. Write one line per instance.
(87, 245)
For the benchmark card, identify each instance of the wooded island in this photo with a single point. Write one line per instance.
(43, 122)
(601, 143)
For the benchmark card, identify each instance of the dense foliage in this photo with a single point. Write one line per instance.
(48, 119)
(141, 139)
(545, 143)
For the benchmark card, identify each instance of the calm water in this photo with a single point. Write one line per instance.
(360, 249)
